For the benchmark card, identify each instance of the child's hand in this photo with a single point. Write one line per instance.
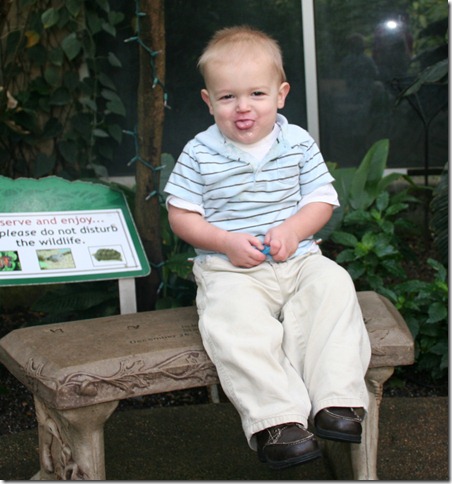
(282, 242)
(241, 250)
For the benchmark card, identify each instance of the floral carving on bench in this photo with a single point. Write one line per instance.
(130, 375)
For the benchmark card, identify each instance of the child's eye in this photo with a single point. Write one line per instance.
(258, 93)
(226, 97)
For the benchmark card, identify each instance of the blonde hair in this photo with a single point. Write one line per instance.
(240, 40)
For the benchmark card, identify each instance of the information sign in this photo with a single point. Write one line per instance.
(72, 231)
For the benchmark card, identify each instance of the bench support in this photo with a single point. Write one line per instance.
(359, 461)
(71, 442)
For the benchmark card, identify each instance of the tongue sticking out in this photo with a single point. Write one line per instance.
(244, 124)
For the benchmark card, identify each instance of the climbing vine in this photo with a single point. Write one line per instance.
(59, 109)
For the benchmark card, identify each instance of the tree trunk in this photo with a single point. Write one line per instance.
(150, 129)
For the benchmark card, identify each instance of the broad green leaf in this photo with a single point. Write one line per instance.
(69, 151)
(82, 123)
(396, 208)
(343, 181)
(56, 56)
(433, 73)
(100, 170)
(71, 46)
(100, 133)
(89, 103)
(358, 217)
(356, 270)
(387, 227)
(358, 198)
(106, 27)
(52, 74)
(71, 81)
(437, 312)
(43, 165)
(384, 250)
(60, 97)
(344, 238)
(382, 201)
(442, 273)
(94, 22)
(109, 94)
(115, 17)
(44, 104)
(369, 239)
(113, 60)
(52, 128)
(387, 180)
(104, 5)
(347, 255)
(364, 186)
(116, 107)
(73, 7)
(49, 18)
(106, 81)
(115, 132)
(105, 149)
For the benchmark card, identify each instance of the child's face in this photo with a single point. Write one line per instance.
(244, 96)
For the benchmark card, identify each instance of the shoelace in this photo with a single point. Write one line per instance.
(275, 433)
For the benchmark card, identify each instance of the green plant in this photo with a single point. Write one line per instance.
(439, 221)
(368, 225)
(368, 239)
(424, 305)
(177, 286)
(69, 302)
(373, 255)
(58, 107)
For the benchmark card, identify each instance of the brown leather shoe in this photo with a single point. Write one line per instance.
(286, 445)
(339, 423)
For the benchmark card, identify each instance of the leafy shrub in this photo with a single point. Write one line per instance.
(368, 236)
(424, 306)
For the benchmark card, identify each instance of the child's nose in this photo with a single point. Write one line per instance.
(242, 104)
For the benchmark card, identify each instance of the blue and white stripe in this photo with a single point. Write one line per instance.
(213, 173)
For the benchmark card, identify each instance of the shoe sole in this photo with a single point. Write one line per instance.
(337, 436)
(302, 459)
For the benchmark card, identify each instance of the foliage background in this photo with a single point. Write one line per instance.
(61, 113)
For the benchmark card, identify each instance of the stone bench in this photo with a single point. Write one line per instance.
(79, 371)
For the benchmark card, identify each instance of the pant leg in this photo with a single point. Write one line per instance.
(241, 332)
(324, 334)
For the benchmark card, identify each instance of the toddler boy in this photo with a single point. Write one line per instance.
(280, 321)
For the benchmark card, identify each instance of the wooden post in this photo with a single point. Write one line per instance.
(150, 130)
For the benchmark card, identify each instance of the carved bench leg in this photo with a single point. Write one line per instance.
(359, 461)
(71, 442)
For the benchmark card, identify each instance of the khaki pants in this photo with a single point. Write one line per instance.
(287, 339)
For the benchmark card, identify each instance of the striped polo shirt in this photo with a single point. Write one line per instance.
(239, 195)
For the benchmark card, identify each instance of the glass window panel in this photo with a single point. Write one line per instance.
(367, 53)
(189, 25)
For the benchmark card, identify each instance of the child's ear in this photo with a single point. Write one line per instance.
(284, 89)
(206, 98)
